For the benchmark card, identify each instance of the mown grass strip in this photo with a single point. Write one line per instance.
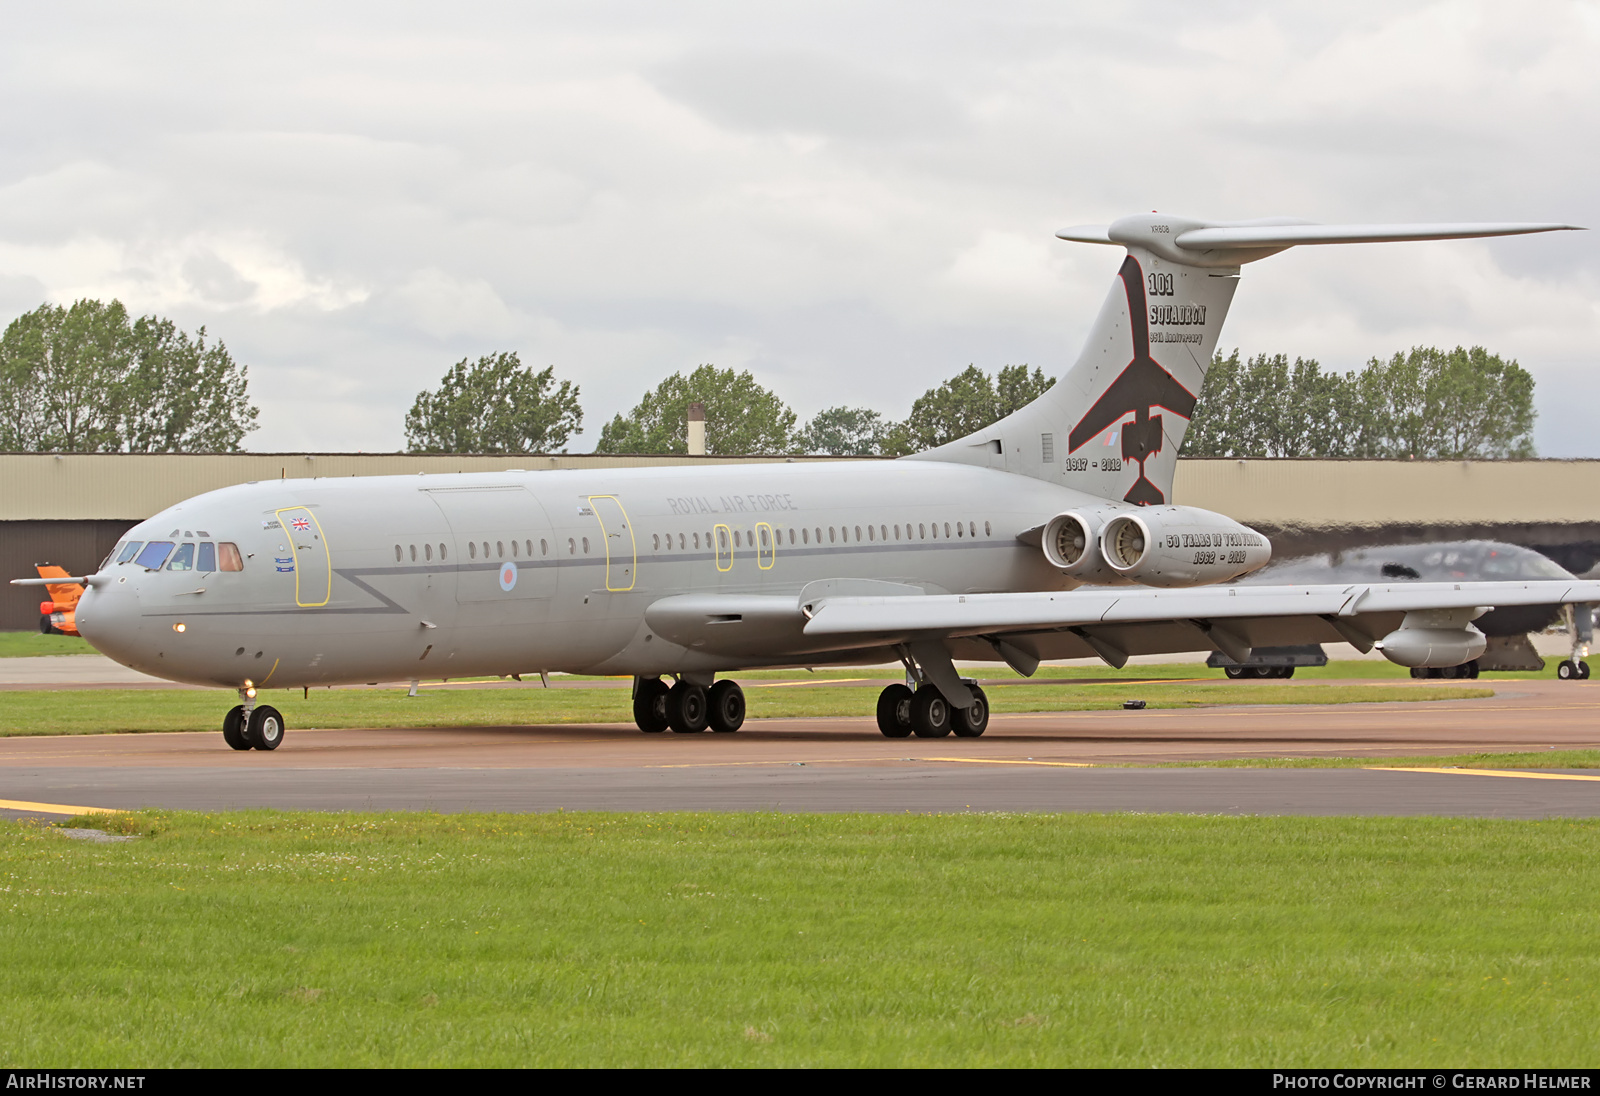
(264, 939)
(84, 711)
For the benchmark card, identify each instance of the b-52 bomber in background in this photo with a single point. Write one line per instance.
(1050, 534)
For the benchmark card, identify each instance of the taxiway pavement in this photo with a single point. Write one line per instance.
(1072, 761)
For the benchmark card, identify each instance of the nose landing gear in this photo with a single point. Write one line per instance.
(252, 726)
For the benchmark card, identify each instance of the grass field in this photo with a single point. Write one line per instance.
(102, 711)
(259, 939)
(26, 644)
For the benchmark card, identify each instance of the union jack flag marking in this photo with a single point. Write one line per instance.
(301, 524)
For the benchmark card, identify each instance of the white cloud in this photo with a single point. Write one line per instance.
(854, 201)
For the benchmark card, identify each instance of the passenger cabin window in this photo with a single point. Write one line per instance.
(986, 531)
(528, 544)
(207, 559)
(154, 555)
(427, 551)
(413, 553)
(544, 549)
(129, 550)
(585, 546)
(472, 549)
(399, 556)
(228, 557)
(182, 559)
(500, 549)
(444, 553)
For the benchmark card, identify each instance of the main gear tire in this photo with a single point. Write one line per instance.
(971, 722)
(688, 711)
(727, 706)
(894, 711)
(930, 713)
(650, 705)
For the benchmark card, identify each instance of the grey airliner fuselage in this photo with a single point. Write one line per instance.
(517, 572)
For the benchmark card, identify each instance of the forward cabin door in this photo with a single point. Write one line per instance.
(307, 556)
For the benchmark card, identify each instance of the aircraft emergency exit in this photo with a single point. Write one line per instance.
(1050, 534)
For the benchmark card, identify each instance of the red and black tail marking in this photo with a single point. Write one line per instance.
(1141, 386)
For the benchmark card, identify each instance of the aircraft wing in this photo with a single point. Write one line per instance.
(958, 615)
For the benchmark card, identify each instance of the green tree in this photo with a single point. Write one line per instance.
(844, 432)
(741, 417)
(85, 379)
(1428, 403)
(1447, 405)
(966, 402)
(183, 396)
(1015, 388)
(494, 405)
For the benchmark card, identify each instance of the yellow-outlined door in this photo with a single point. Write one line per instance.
(766, 546)
(616, 531)
(724, 537)
(313, 571)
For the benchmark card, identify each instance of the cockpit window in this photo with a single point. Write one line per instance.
(228, 557)
(182, 559)
(207, 557)
(129, 550)
(154, 555)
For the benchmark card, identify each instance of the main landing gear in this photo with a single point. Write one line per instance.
(1241, 672)
(1466, 669)
(1573, 669)
(686, 707)
(927, 714)
(252, 726)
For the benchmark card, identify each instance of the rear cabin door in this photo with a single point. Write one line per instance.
(616, 533)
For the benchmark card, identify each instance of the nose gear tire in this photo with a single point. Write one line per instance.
(265, 728)
(233, 728)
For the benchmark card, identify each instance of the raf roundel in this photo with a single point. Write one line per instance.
(508, 576)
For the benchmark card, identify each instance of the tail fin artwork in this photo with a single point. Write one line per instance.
(58, 616)
(1125, 404)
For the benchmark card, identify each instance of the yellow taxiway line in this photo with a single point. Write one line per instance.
(998, 761)
(52, 808)
(1522, 773)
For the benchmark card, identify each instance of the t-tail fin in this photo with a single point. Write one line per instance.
(1112, 425)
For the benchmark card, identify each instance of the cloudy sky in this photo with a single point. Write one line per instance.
(853, 201)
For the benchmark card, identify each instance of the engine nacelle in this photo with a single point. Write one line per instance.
(1180, 546)
(1435, 637)
(1071, 542)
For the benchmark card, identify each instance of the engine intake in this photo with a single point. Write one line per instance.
(1174, 546)
(1071, 544)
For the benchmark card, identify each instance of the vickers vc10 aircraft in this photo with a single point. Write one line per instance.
(1051, 534)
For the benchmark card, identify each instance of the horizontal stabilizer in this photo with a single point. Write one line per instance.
(1231, 243)
(1292, 235)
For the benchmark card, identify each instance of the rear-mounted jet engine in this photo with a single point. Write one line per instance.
(1181, 546)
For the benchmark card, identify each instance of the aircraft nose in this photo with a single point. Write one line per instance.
(108, 617)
